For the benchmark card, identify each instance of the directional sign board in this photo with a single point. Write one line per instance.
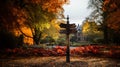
(72, 25)
(65, 25)
(63, 31)
(71, 28)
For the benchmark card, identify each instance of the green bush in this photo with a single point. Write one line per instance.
(99, 40)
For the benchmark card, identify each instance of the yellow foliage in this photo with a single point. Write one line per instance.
(53, 31)
(26, 31)
(90, 28)
(28, 41)
(42, 26)
(85, 28)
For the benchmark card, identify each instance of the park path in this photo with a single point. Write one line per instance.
(60, 62)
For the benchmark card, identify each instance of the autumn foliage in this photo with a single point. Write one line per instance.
(112, 10)
(97, 51)
(31, 18)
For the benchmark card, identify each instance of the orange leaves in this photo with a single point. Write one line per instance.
(53, 5)
(114, 20)
(19, 21)
(106, 1)
(109, 5)
(94, 50)
(88, 50)
(47, 3)
(113, 6)
(60, 50)
(85, 49)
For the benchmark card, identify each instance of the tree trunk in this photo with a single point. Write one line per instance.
(105, 31)
(105, 28)
(37, 37)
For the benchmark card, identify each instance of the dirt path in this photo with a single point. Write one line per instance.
(60, 62)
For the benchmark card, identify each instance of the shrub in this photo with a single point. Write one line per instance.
(7, 39)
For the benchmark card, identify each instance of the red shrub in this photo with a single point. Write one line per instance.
(106, 51)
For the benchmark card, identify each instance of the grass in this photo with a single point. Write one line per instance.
(79, 43)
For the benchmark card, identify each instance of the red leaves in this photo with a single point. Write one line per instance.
(84, 49)
(57, 51)
(100, 51)
(88, 50)
(60, 50)
(111, 7)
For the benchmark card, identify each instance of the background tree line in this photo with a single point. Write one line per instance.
(106, 14)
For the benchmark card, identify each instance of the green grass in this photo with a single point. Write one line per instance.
(79, 43)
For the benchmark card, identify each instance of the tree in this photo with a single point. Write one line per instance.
(110, 19)
(7, 17)
(90, 29)
(38, 20)
(99, 16)
(36, 15)
(8, 40)
(97, 12)
(53, 30)
(111, 11)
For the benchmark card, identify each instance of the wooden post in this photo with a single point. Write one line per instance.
(70, 28)
(68, 41)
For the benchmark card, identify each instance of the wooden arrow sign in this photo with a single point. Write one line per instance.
(63, 31)
(73, 30)
(72, 25)
(63, 25)
(69, 30)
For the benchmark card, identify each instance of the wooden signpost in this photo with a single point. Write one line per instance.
(70, 28)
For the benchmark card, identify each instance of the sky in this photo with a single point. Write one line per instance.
(77, 11)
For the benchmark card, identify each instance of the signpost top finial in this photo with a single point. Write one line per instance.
(67, 17)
